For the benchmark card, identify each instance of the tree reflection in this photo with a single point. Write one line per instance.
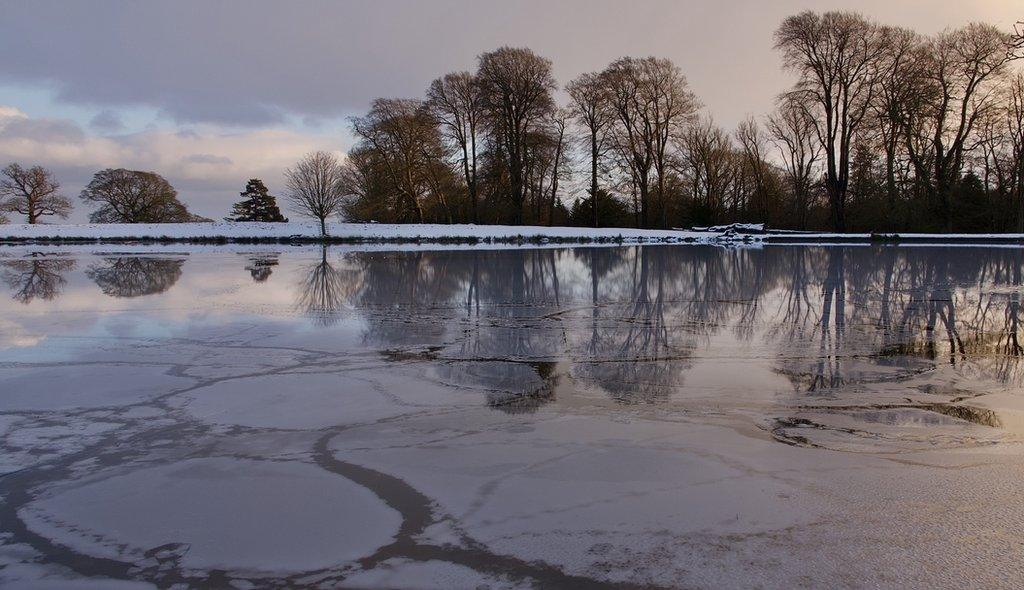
(323, 290)
(630, 321)
(135, 276)
(38, 277)
(261, 267)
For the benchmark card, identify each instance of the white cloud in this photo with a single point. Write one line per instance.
(208, 164)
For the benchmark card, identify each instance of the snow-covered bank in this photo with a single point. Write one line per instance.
(794, 238)
(382, 233)
(344, 232)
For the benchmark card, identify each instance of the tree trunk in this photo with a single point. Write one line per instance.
(593, 176)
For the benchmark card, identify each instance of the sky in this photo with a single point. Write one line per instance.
(209, 94)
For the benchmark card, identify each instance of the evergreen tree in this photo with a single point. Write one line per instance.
(257, 204)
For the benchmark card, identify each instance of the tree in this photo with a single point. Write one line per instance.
(132, 196)
(709, 167)
(516, 86)
(1016, 49)
(454, 101)
(651, 101)
(793, 133)
(315, 187)
(257, 205)
(405, 141)
(1014, 128)
(896, 94)
(589, 95)
(836, 56)
(31, 192)
(960, 73)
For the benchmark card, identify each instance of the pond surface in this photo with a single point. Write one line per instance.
(658, 416)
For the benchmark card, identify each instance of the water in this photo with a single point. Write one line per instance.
(660, 416)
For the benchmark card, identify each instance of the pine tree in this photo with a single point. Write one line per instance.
(257, 204)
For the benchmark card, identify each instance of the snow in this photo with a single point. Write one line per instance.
(440, 233)
(340, 231)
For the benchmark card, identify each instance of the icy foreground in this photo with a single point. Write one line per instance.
(621, 417)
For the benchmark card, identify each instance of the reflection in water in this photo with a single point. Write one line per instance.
(323, 289)
(261, 267)
(39, 276)
(632, 321)
(135, 276)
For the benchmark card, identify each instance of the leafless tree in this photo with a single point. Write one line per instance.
(455, 102)
(896, 94)
(959, 84)
(708, 165)
(592, 109)
(405, 140)
(1016, 49)
(1014, 117)
(516, 86)
(793, 133)
(651, 101)
(752, 142)
(31, 192)
(836, 56)
(132, 196)
(314, 187)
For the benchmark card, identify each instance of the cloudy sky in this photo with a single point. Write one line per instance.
(212, 93)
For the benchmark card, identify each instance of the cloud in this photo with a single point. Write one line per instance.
(257, 62)
(209, 159)
(107, 121)
(208, 164)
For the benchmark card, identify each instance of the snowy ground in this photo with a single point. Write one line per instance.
(634, 417)
(223, 231)
(344, 231)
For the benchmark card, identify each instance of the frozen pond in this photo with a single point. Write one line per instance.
(658, 416)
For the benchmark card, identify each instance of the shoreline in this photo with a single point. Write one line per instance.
(304, 233)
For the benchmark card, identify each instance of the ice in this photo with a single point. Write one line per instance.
(618, 416)
(277, 515)
(71, 386)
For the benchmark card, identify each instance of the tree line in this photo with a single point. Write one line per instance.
(884, 129)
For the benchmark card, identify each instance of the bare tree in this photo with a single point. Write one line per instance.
(592, 109)
(896, 94)
(31, 192)
(836, 56)
(651, 102)
(1015, 133)
(708, 167)
(314, 187)
(455, 102)
(405, 140)
(793, 133)
(133, 196)
(516, 86)
(752, 143)
(1016, 49)
(958, 88)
